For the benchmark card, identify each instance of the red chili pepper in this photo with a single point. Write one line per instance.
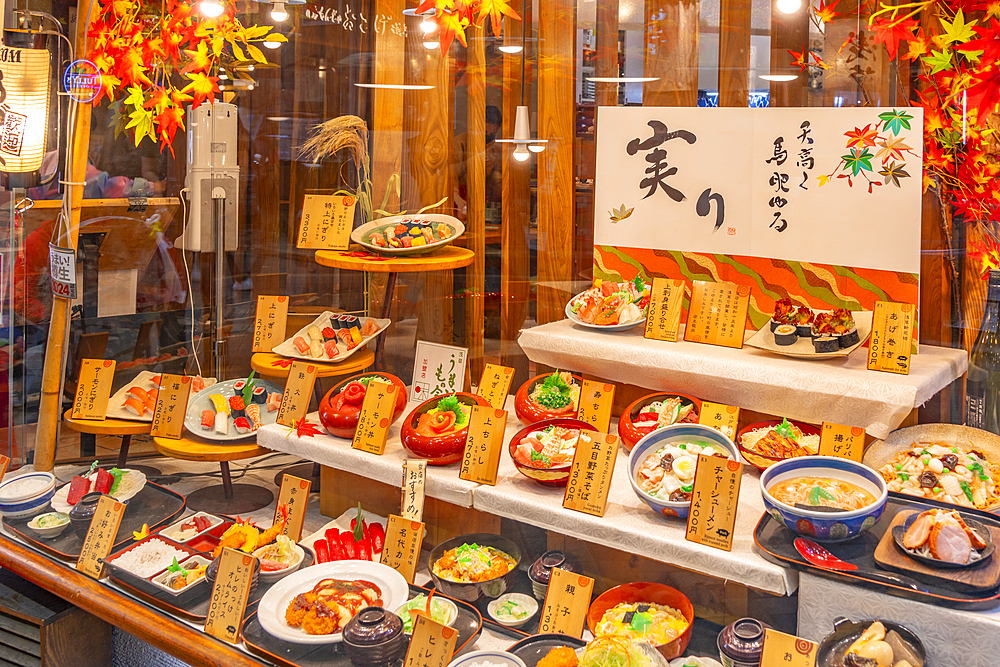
(347, 542)
(322, 550)
(377, 534)
(364, 549)
(354, 393)
(336, 550)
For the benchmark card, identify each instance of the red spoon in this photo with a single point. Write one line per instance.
(822, 558)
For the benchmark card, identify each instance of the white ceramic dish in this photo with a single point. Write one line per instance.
(59, 503)
(526, 601)
(287, 349)
(362, 233)
(451, 610)
(281, 574)
(803, 347)
(489, 655)
(50, 531)
(22, 488)
(213, 521)
(202, 402)
(271, 609)
(600, 327)
(159, 579)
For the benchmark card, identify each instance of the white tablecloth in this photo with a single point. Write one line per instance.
(952, 638)
(837, 390)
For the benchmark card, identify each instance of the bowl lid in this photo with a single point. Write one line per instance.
(743, 640)
(372, 626)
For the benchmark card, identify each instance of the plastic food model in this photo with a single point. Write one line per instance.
(330, 604)
(413, 234)
(839, 324)
(650, 413)
(436, 429)
(642, 621)
(876, 648)
(784, 440)
(339, 409)
(544, 451)
(548, 397)
(472, 563)
(245, 536)
(938, 471)
(608, 303)
(668, 473)
(945, 536)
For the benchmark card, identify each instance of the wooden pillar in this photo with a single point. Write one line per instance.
(475, 179)
(734, 53)
(265, 178)
(788, 32)
(671, 53)
(606, 94)
(556, 122)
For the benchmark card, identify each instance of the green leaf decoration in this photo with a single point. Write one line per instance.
(958, 31)
(895, 121)
(857, 162)
(938, 61)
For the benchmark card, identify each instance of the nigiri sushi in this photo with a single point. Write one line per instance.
(316, 348)
(355, 334)
(300, 344)
(370, 328)
(197, 383)
(259, 395)
(242, 425)
(330, 347)
(377, 240)
(134, 406)
(222, 423)
(344, 335)
(314, 333)
(208, 419)
(139, 393)
(156, 380)
(253, 414)
(236, 406)
(329, 334)
(219, 403)
(273, 401)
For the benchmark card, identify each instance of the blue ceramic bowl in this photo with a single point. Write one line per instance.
(697, 433)
(28, 508)
(825, 526)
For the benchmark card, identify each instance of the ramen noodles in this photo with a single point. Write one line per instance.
(821, 492)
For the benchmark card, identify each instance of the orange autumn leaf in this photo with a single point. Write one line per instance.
(825, 12)
(496, 10)
(109, 82)
(130, 68)
(167, 123)
(203, 86)
(451, 26)
(201, 61)
(861, 137)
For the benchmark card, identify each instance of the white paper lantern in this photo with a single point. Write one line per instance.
(24, 108)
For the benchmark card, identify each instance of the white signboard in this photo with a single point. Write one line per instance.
(437, 369)
(824, 185)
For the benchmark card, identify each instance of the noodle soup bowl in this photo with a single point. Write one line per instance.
(480, 590)
(829, 526)
(676, 433)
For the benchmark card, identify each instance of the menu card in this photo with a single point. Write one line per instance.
(432, 643)
(414, 476)
(298, 393)
(721, 417)
(269, 323)
(663, 319)
(229, 595)
(373, 420)
(401, 550)
(171, 406)
(93, 389)
(327, 221)
(590, 474)
(100, 536)
(294, 494)
(495, 384)
(566, 603)
(847, 442)
(718, 313)
(891, 343)
(782, 650)
(483, 444)
(4, 462)
(596, 399)
(714, 498)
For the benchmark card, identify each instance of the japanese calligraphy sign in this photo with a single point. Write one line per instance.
(566, 603)
(847, 442)
(495, 384)
(782, 650)
(664, 314)
(720, 417)
(891, 343)
(714, 496)
(401, 550)
(373, 420)
(171, 406)
(327, 221)
(100, 536)
(790, 176)
(412, 502)
(432, 644)
(596, 399)
(483, 444)
(229, 595)
(93, 389)
(298, 392)
(294, 494)
(437, 369)
(718, 313)
(590, 474)
(269, 322)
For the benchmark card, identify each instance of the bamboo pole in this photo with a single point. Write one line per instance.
(50, 405)
(475, 220)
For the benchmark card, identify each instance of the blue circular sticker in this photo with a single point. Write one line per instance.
(82, 81)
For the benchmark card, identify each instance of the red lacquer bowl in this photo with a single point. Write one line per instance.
(556, 476)
(644, 591)
(343, 423)
(632, 432)
(763, 461)
(529, 413)
(439, 450)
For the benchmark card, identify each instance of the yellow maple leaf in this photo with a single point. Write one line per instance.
(201, 61)
(203, 86)
(823, 179)
(496, 10)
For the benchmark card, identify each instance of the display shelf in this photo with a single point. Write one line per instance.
(836, 390)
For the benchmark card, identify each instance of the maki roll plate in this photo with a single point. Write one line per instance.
(804, 348)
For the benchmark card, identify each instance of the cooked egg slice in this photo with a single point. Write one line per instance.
(684, 467)
(708, 450)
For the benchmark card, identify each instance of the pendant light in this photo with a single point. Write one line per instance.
(279, 9)
(524, 145)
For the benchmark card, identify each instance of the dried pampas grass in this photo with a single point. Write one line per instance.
(348, 133)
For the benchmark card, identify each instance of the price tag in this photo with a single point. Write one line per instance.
(100, 536)
(171, 406)
(298, 392)
(229, 595)
(718, 313)
(781, 650)
(892, 337)
(847, 442)
(590, 475)
(294, 494)
(714, 499)
(483, 444)
(432, 644)
(373, 420)
(720, 417)
(4, 462)
(412, 502)
(495, 384)
(596, 399)
(269, 323)
(664, 319)
(566, 603)
(327, 221)
(94, 389)
(401, 550)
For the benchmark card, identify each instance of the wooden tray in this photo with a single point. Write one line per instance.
(975, 578)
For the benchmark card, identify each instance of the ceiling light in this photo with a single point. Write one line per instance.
(622, 79)
(211, 8)
(278, 119)
(521, 153)
(431, 45)
(779, 77)
(536, 148)
(789, 6)
(393, 86)
(510, 48)
(279, 14)
(271, 45)
(428, 25)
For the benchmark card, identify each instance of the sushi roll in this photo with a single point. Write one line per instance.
(783, 311)
(242, 425)
(259, 395)
(785, 335)
(844, 322)
(236, 406)
(139, 393)
(239, 386)
(300, 344)
(824, 344)
(207, 419)
(329, 334)
(222, 423)
(253, 414)
(316, 348)
(802, 319)
(134, 406)
(330, 347)
(273, 401)
(219, 403)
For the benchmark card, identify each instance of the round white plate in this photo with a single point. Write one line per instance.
(271, 609)
(202, 402)
(361, 234)
(59, 503)
(600, 327)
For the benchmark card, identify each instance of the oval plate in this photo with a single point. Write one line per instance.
(981, 529)
(600, 327)
(59, 503)
(202, 402)
(361, 234)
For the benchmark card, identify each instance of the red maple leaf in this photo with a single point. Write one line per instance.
(203, 86)
(801, 58)
(131, 69)
(167, 123)
(985, 93)
(988, 42)
(281, 363)
(304, 428)
(825, 12)
(892, 33)
(861, 137)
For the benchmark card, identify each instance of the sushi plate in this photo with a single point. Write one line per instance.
(803, 347)
(288, 349)
(364, 232)
(600, 327)
(202, 402)
(144, 380)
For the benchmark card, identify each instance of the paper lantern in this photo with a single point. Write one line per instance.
(24, 108)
